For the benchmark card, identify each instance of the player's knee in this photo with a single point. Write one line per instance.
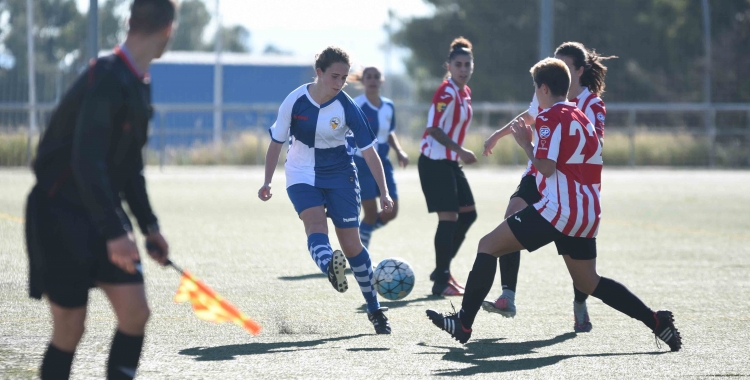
(586, 284)
(134, 322)
(388, 216)
(486, 245)
(317, 228)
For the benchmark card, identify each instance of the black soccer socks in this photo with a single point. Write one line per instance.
(618, 297)
(56, 363)
(509, 266)
(124, 356)
(444, 237)
(465, 220)
(477, 287)
(580, 296)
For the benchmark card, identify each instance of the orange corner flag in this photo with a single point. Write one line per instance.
(210, 306)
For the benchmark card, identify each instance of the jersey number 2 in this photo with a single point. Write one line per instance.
(577, 157)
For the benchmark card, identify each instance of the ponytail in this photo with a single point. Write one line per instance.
(594, 71)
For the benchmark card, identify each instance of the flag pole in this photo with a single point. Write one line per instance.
(150, 246)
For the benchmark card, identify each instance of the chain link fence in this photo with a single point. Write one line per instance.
(682, 134)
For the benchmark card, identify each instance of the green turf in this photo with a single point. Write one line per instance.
(678, 239)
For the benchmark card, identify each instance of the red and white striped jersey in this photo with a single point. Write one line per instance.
(591, 105)
(451, 112)
(570, 196)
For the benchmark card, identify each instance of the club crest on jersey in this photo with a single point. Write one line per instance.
(542, 144)
(600, 116)
(335, 122)
(441, 106)
(544, 132)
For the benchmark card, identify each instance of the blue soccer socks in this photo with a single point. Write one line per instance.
(365, 232)
(320, 250)
(362, 269)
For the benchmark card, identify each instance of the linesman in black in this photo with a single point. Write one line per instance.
(89, 160)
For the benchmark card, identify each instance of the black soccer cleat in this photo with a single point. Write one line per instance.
(451, 324)
(336, 269)
(380, 321)
(666, 330)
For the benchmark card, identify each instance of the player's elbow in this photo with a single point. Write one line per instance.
(432, 131)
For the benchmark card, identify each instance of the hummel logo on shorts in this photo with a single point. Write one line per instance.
(518, 219)
(350, 220)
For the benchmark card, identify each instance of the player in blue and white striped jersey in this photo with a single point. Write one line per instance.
(381, 116)
(321, 178)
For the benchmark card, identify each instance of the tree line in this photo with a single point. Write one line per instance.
(659, 43)
(60, 36)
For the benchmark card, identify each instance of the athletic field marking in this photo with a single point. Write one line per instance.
(11, 218)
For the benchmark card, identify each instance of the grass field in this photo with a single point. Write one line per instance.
(677, 238)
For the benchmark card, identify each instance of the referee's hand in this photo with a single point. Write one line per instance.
(123, 252)
(161, 255)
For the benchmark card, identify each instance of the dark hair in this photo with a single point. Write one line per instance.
(460, 46)
(554, 73)
(594, 71)
(360, 76)
(329, 56)
(150, 16)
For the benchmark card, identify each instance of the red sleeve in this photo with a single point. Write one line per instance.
(600, 115)
(441, 101)
(548, 131)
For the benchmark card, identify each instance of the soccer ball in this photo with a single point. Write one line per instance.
(393, 278)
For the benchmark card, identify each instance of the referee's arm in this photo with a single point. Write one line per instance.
(137, 198)
(91, 143)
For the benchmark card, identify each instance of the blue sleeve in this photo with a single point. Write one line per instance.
(357, 123)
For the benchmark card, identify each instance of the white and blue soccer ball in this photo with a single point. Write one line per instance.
(393, 278)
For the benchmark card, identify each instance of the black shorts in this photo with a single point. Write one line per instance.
(67, 255)
(534, 232)
(444, 185)
(527, 190)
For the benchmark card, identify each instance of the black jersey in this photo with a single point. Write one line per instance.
(91, 153)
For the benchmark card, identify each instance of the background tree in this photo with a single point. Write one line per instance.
(191, 22)
(659, 42)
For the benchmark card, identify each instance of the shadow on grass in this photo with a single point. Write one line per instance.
(401, 303)
(231, 351)
(309, 276)
(478, 352)
(372, 349)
